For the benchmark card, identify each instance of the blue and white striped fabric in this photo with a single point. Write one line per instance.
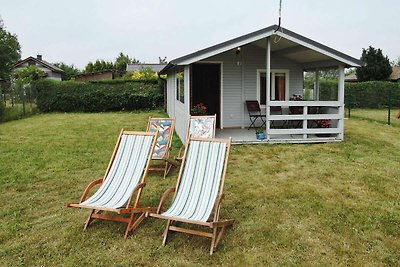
(200, 181)
(125, 172)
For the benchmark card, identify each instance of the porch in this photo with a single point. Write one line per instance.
(297, 122)
(243, 136)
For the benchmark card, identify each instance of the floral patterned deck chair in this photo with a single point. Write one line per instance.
(164, 127)
(199, 127)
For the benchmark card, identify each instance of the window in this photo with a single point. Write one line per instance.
(279, 85)
(180, 86)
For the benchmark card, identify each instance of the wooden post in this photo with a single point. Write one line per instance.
(341, 101)
(316, 92)
(268, 87)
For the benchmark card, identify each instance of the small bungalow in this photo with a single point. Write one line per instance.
(50, 71)
(224, 76)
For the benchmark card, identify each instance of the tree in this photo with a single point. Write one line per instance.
(119, 66)
(121, 62)
(69, 71)
(10, 51)
(99, 65)
(377, 66)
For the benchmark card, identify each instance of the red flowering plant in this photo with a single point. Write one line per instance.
(322, 123)
(199, 110)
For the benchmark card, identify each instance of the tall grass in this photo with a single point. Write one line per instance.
(17, 112)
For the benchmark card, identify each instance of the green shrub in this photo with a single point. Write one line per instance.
(72, 96)
(2, 109)
(372, 94)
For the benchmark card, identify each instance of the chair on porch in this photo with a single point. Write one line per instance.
(199, 190)
(125, 175)
(277, 110)
(199, 127)
(164, 127)
(254, 110)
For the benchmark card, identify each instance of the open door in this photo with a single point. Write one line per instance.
(206, 88)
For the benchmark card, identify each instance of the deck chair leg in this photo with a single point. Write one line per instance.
(165, 235)
(133, 223)
(213, 239)
(219, 237)
(89, 220)
(167, 169)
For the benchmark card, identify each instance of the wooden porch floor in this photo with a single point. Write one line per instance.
(244, 136)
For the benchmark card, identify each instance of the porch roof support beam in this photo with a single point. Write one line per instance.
(341, 100)
(316, 89)
(268, 86)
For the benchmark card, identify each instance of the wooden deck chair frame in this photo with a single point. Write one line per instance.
(167, 162)
(188, 134)
(134, 209)
(217, 225)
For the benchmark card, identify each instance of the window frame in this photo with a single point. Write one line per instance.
(180, 86)
(273, 72)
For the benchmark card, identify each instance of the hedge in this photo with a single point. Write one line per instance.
(372, 94)
(73, 96)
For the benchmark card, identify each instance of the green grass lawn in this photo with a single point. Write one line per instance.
(376, 115)
(320, 204)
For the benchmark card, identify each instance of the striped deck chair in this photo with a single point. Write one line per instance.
(199, 190)
(164, 127)
(199, 127)
(125, 175)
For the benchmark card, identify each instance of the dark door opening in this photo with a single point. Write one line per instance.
(206, 88)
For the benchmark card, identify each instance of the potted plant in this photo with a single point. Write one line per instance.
(294, 109)
(260, 134)
(325, 123)
(199, 110)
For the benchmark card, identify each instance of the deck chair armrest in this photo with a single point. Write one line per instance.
(164, 197)
(181, 152)
(89, 187)
(218, 206)
(139, 186)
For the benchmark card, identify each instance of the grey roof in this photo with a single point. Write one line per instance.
(41, 62)
(136, 67)
(264, 33)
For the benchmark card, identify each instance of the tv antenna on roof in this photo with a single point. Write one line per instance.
(280, 15)
(277, 39)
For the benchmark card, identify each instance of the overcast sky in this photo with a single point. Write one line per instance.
(76, 32)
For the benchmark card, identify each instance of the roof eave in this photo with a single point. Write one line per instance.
(264, 33)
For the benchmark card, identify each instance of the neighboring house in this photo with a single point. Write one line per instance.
(96, 76)
(394, 77)
(139, 67)
(225, 75)
(51, 71)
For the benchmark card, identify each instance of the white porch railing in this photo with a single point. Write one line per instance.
(304, 125)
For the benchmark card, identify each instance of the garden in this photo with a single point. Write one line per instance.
(320, 204)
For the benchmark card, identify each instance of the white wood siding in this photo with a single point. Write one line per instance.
(176, 109)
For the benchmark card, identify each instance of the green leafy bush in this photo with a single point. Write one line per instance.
(2, 110)
(372, 94)
(72, 96)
